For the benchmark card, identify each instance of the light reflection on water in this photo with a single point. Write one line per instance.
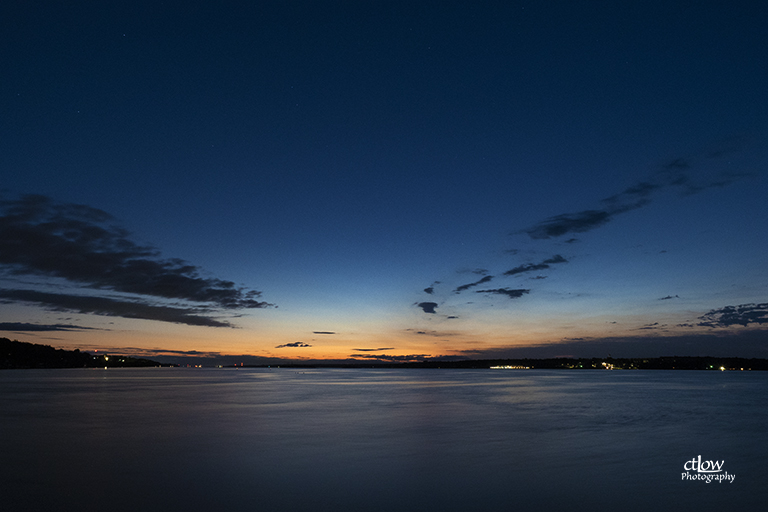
(282, 439)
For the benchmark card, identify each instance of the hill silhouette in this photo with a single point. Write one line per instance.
(19, 355)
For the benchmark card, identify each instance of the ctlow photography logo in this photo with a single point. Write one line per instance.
(707, 471)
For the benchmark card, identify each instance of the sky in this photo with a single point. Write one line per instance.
(385, 181)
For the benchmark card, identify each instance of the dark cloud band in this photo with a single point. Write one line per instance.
(39, 236)
(27, 327)
(83, 246)
(110, 307)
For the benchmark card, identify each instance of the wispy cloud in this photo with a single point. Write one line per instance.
(372, 349)
(724, 180)
(323, 332)
(467, 270)
(84, 246)
(386, 357)
(296, 344)
(675, 174)
(159, 351)
(27, 327)
(436, 334)
(512, 294)
(531, 267)
(470, 285)
(579, 222)
(678, 175)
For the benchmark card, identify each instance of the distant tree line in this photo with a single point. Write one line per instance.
(563, 363)
(19, 355)
(595, 363)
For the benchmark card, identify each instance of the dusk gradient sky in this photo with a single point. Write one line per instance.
(385, 180)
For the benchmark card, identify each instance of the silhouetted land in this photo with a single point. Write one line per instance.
(18, 355)
(651, 363)
(560, 363)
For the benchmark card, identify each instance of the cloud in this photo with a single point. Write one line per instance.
(27, 327)
(632, 196)
(670, 297)
(467, 270)
(323, 332)
(470, 285)
(84, 246)
(437, 334)
(673, 174)
(386, 357)
(373, 349)
(677, 164)
(556, 259)
(110, 307)
(743, 314)
(81, 244)
(205, 353)
(531, 267)
(431, 288)
(512, 294)
(296, 344)
(571, 223)
(723, 180)
(427, 307)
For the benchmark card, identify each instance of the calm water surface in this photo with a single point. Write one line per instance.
(379, 440)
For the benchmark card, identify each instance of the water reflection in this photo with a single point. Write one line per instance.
(268, 439)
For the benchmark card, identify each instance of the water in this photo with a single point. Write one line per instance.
(378, 440)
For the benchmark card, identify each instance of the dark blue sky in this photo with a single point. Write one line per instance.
(594, 170)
